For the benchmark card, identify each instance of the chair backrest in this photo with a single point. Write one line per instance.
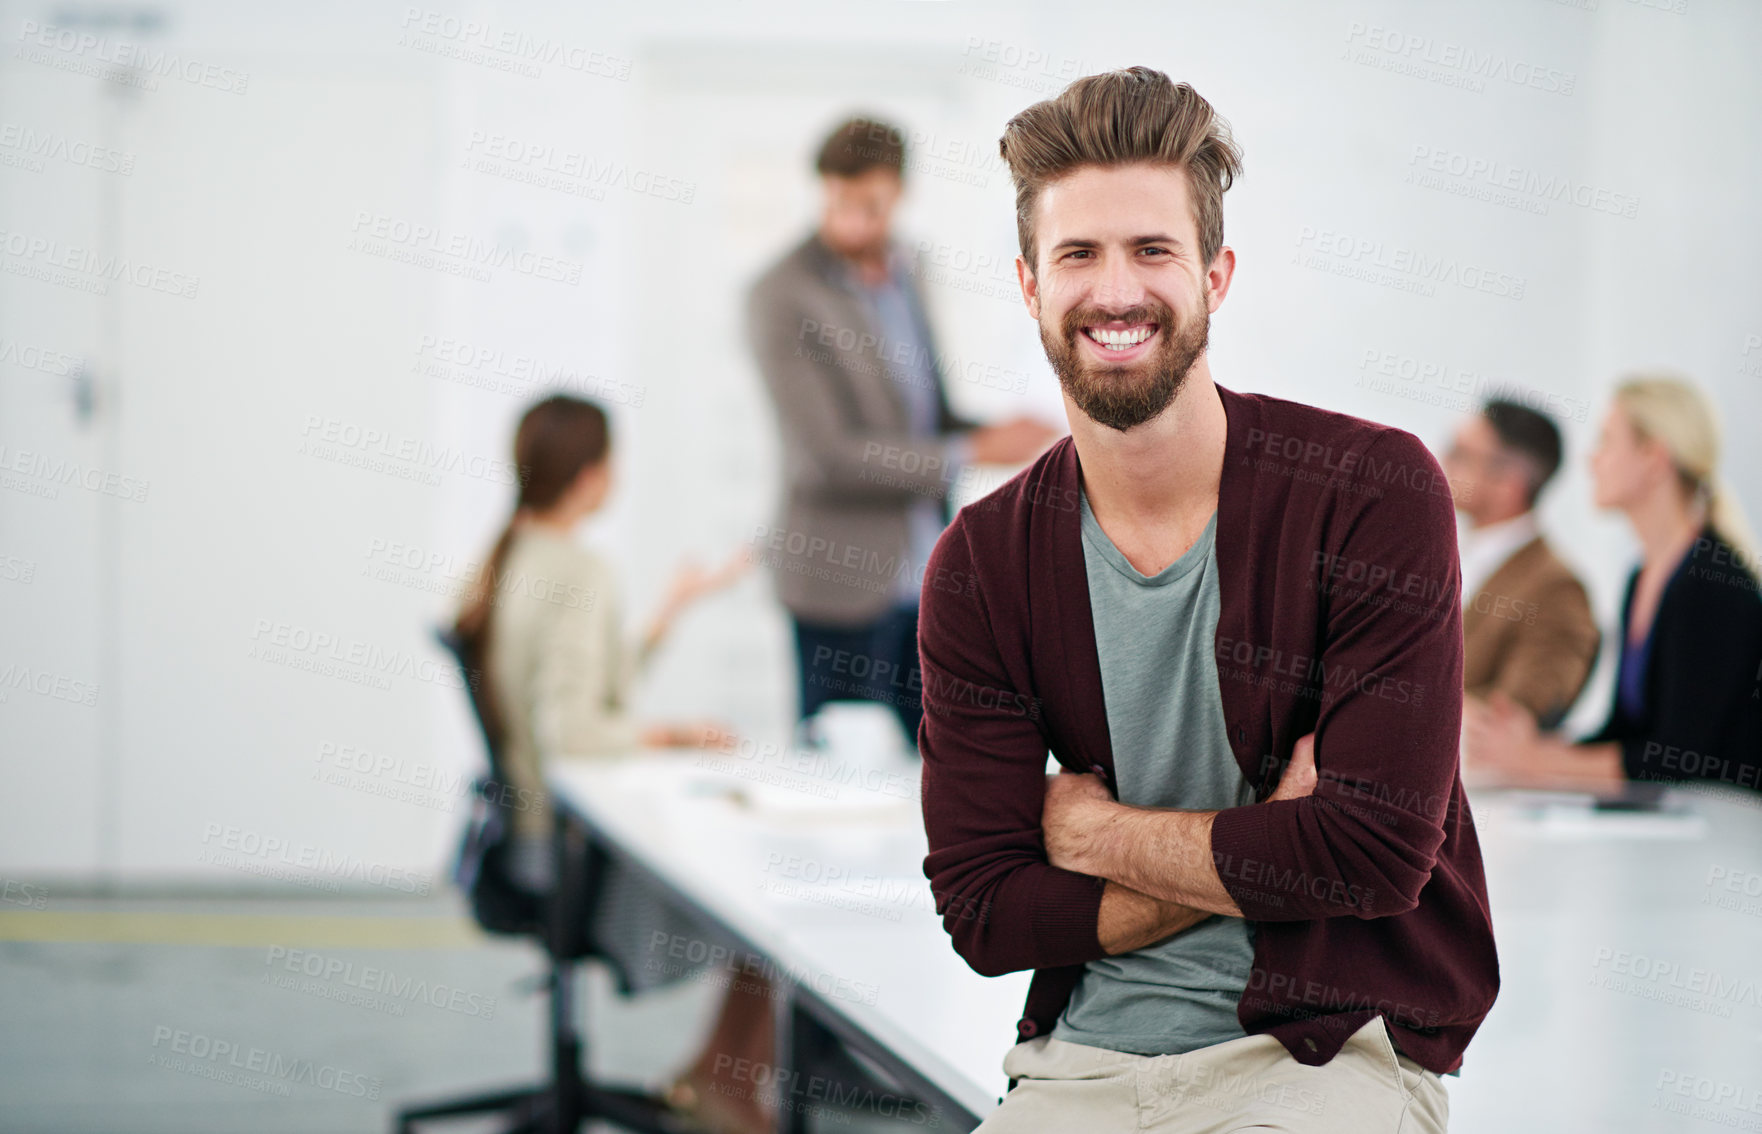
(481, 865)
(476, 688)
(560, 918)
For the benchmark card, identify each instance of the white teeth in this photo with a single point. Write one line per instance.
(1119, 340)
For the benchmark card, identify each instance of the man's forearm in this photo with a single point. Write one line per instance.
(1131, 920)
(1162, 854)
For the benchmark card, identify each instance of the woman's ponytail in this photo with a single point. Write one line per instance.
(557, 438)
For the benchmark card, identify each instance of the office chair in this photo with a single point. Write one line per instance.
(559, 921)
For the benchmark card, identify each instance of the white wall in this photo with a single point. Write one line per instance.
(258, 194)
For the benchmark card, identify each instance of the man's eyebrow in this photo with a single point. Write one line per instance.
(1135, 241)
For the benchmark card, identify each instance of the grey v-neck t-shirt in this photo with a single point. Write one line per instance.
(1154, 636)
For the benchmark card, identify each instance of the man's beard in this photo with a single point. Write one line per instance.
(1132, 394)
(875, 249)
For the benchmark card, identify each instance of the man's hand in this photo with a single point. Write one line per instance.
(1501, 745)
(1498, 734)
(1299, 777)
(689, 734)
(1076, 810)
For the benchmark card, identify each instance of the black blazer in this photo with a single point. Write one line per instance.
(1703, 686)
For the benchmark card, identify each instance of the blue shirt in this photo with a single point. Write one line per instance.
(905, 352)
(1630, 673)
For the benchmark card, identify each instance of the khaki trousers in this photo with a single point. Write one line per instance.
(1250, 1083)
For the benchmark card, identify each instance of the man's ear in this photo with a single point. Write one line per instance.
(1218, 277)
(1030, 287)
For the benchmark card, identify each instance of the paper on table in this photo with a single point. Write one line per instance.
(810, 798)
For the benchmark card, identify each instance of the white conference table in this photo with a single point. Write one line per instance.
(819, 868)
(821, 871)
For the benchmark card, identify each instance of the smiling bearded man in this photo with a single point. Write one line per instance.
(1253, 898)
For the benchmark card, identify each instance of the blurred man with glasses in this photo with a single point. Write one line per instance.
(1528, 635)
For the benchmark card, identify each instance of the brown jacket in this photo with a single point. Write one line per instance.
(1528, 632)
(851, 466)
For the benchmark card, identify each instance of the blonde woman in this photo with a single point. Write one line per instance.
(1688, 693)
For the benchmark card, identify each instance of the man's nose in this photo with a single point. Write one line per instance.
(1118, 286)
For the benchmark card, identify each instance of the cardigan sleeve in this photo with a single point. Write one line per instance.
(984, 763)
(1388, 683)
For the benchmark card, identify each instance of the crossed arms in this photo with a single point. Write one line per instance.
(1157, 861)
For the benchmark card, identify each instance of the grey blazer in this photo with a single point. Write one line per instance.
(851, 468)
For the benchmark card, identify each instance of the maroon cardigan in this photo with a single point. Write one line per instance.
(1339, 614)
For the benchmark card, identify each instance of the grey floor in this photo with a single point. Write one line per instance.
(181, 1015)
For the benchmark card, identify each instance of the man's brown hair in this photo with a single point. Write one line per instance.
(1119, 118)
(859, 145)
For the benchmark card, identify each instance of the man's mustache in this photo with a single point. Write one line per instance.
(1077, 320)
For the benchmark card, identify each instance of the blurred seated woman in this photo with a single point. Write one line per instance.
(1688, 690)
(542, 627)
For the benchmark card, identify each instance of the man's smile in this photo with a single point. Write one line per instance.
(1118, 340)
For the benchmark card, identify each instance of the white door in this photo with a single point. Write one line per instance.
(215, 584)
(63, 170)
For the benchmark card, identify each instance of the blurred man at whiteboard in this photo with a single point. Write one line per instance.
(871, 449)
